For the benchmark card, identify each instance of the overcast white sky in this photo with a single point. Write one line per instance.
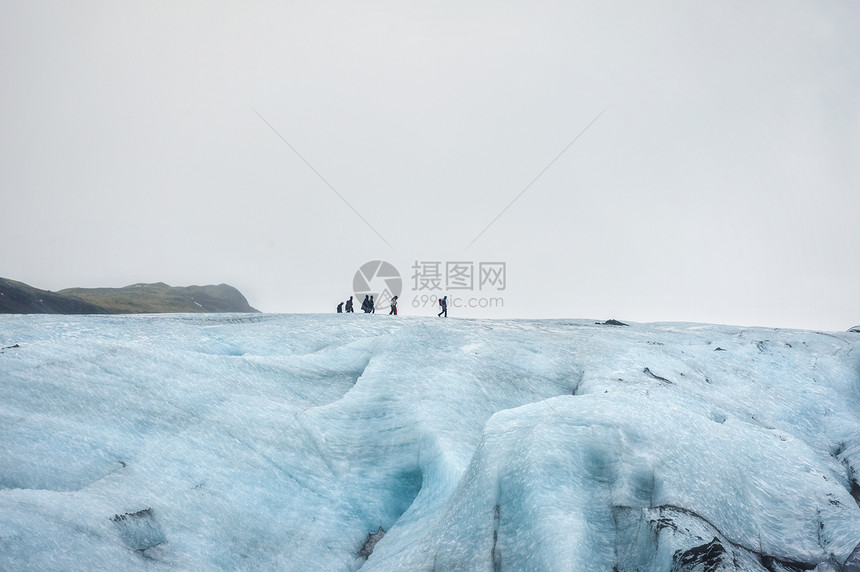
(721, 184)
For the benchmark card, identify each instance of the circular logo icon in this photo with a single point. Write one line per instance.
(378, 279)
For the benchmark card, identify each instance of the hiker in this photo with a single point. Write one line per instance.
(444, 303)
(349, 309)
(340, 308)
(393, 306)
(365, 306)
(372, 307)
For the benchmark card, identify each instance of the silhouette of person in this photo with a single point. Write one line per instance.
(444, 303)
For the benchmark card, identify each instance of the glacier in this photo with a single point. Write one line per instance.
(346, 442)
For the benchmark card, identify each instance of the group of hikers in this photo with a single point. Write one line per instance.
(368, 306)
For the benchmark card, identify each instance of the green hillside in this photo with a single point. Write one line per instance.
(19, 298)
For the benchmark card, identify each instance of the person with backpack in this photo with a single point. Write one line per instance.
(365, 306)
(393, 306)
(349, 309)
(340, 308)
(443, 302)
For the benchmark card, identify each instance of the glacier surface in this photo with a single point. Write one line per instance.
(303, 442)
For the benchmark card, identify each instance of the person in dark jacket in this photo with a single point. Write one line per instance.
(349, 309)
(365, 306)
(340, 308)
(444, 303)
(372, 307)
(393, 306)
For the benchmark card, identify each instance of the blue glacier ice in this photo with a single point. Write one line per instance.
(346, 442)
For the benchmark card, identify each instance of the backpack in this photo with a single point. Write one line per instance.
(440, 301)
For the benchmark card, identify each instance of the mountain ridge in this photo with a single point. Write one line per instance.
(140, 298)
